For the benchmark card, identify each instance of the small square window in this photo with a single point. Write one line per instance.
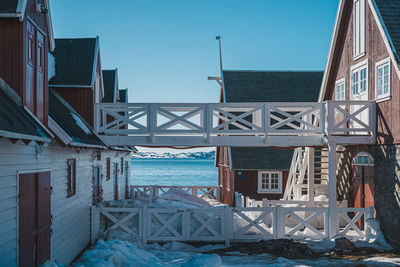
(269, 182)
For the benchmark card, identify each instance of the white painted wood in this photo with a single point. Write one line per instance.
(71, 216)
(332, 209)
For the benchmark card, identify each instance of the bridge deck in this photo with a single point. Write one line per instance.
(237, 124)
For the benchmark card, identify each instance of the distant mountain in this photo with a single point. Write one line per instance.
(184, 155)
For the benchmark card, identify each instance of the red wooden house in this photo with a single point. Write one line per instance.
(51, 160)
(363, 64)
(261, 172)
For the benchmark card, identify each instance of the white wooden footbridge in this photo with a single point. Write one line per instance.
(260, 124)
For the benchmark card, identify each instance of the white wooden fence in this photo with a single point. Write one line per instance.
(223, 224)
(150, 192)
(235, 124)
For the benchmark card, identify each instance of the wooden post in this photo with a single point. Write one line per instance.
(228, 221)
(332, 209)
(194, 191)
(144, 224)
(218, 193)
(95, 219)
(97, 118)
(310, 174)
(278, 222)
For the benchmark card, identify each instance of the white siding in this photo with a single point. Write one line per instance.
(71, 216)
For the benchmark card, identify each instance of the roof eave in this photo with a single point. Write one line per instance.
(12, 135)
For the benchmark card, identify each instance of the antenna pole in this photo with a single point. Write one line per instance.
(220, 53)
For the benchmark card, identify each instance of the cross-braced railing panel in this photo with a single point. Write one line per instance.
(351, 117)
(294, 118)
(165, 225)
(235, 124)
(207, 224)
(355, 220)
(124, 219)
(305, 221)
(252, 223)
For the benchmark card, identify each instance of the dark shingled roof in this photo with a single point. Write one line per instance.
(109, 86)
(123, 96)
(8, 6)
(272, 86)
(65, 116)
(75, 59)
(13, 117)
(260, 158)
(268, 86)
(390, 13)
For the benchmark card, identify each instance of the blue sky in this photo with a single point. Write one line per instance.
(164, 50)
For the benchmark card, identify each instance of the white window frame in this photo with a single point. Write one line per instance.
(357, 68)
(269, 191)
(358, 29)
(337, 83)
(378, 65)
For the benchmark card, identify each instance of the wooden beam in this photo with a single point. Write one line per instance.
(332, 209)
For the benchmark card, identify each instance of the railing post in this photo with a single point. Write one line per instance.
(310, 174)
(369, 213)
(208, 122)
(145, 220)
(228, 221)
(194, 191)
(266, 122)
(278, 222)
(332, 209)
(95, 223)
(218, 192)
(152, 121)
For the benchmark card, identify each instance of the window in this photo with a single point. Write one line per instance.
(269, 182)
(108, 160)
(363, 158)
(359, 81)
(358, 28)
(382, 79)
(340, 90)
(71, 179)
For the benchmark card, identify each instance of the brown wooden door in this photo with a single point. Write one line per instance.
(363, 187)
(116, 181)
(34, 218)
(97, 185)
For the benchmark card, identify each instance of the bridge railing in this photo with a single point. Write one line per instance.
(264, 120)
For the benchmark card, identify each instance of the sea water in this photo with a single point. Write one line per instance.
(174, 172)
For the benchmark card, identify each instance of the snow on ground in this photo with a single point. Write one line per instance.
(117, 253)
(121, 249)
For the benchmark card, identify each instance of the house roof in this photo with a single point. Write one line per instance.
(389, 11)
(110, 86)
(15, 121)
(8, 6)
(75, 62)
(260, 158)
(386, 14)
(74, 126)
(268, 86)
(16, 9)
(271, 86)
(123, 96)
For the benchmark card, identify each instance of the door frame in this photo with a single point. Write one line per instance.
(19, 172)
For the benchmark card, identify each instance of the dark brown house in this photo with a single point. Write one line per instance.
(363, 64)
(261, 172)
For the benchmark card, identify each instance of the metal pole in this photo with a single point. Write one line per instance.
(220, 53)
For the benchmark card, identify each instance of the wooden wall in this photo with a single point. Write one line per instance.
(388, 121)
(81, 99)
(249, 185)
(12, 53)
(71, 216)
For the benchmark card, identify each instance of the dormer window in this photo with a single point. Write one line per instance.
(358, 29)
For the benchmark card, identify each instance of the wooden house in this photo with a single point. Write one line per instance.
(52, 165)
(363, 64)
(258, 172)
